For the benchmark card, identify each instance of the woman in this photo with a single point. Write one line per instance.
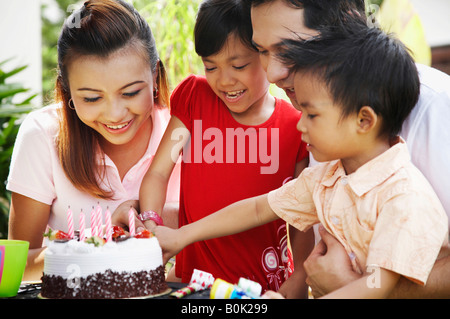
(94, 146)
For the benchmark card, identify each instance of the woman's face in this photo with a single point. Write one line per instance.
(113, 95)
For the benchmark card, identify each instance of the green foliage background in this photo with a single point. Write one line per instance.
(10, 114)
(172, 23)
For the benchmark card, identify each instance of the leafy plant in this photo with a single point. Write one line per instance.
(10, 113)
(172, 23)
(51, 28)
(377, 2)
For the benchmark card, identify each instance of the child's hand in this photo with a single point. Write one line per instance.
(272, 295)
(120, 215)
(169, 241)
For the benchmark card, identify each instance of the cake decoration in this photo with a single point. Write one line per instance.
(245, 289)
(200, 280)
(131, 222)
(70, 223)
(56, 235)
(108, 229)
(82, 226)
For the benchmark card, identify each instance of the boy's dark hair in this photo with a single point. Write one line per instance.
(319, 13)
(361, 66)
(216, 20)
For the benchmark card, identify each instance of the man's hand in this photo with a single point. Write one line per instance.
(328, 267)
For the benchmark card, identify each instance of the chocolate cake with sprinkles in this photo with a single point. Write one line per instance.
(93, 269)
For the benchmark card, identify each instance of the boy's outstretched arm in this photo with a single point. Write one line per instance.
(233, 219)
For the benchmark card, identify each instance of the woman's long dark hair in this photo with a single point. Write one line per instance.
(99, 28)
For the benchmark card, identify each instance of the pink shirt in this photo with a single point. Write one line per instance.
(385, 214)
(36, 172)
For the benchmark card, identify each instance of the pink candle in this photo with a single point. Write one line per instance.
(93, 224)
(82, 226)
(131, 222)
(108, 228)
(98, 220)
(70, 231)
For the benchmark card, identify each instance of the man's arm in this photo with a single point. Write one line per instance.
(437, 286)
(364, 288)
(324, 277)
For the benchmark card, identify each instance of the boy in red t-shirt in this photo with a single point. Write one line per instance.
(237, 141)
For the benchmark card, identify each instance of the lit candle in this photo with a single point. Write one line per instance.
(131, 222)
(108, 228)
(82, 226)
(70, 223)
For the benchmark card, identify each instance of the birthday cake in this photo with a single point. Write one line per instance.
(128, 267)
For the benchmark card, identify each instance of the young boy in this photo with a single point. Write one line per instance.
(355, 88)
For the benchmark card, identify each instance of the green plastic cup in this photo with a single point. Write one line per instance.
(13, 259)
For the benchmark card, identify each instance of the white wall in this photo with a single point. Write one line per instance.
(435, 17)
(20, 37)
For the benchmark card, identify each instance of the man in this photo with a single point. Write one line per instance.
(425, 131)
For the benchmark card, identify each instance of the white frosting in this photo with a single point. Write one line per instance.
(78, 259)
